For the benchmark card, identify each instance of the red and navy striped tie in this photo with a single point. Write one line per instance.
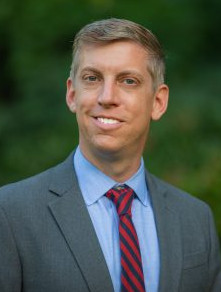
(132, 279)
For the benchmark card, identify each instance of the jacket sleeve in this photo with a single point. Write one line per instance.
(10, 268)
(214, 259)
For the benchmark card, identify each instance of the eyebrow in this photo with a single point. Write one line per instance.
(121, 74)
(91, 69)
(131, 72)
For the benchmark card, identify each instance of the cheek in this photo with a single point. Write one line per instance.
(83, 112)
(142, 108)
(142, 115)
(81, 104)
(85, 99)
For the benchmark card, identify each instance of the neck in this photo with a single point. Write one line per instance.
(116, 166)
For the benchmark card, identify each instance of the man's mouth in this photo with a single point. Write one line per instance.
(108, 121)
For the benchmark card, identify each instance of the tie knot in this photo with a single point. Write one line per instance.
(122, 196)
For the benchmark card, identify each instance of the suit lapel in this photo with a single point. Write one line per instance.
(71, 215)
(169, 236)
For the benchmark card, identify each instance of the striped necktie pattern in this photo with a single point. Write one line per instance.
(132, 279)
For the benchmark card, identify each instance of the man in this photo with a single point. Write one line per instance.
(99, 221)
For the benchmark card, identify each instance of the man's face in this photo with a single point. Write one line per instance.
(112, 96)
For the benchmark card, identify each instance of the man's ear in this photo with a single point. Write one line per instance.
(160, 102)
(70, 96)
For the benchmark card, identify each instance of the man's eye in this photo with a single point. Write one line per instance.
(91, 78)
(129, 81)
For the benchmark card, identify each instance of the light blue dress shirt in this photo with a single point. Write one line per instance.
(105, 219)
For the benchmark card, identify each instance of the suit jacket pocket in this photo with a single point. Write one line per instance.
(191, 261)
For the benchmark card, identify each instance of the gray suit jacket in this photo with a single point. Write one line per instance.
(48, 243)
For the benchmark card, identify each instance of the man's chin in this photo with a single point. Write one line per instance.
(108, 150)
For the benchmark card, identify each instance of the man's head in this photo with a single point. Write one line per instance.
(116, 88)
(113, 30)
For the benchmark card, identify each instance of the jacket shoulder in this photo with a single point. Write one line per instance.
(36, 186)
(176, 198)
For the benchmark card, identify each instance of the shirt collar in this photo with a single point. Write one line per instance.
(91, 178)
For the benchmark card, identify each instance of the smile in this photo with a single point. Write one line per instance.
(108, 121)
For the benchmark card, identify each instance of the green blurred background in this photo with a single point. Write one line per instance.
(36, 128)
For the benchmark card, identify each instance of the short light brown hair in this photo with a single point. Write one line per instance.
(113, 29)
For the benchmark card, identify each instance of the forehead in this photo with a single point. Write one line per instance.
(116, 54)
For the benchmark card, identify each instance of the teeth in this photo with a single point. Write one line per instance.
(107, 121)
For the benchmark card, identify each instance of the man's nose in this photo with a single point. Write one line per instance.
(108, 94)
